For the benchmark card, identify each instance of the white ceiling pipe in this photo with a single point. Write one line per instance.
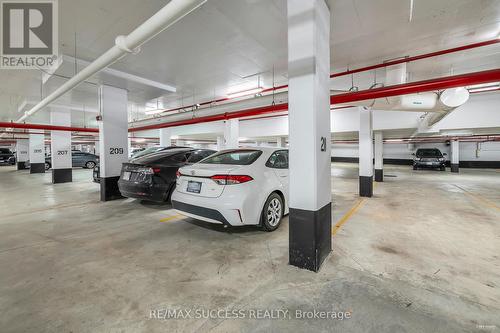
(164, 18)
(249, 103)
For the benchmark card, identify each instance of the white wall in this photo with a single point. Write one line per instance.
(488, 151)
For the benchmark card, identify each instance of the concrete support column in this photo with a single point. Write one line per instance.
(165, 137)
(455, 155)
(379, 156)
(96, 148)
(113, 137)
(310, 239)
(60, 147)
(231, 133)
(220, 143)
(37, 153)
(365, 152)
(22, 153)
(280, 142)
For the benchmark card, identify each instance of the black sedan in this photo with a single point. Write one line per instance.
(6, 156)
(152, 177)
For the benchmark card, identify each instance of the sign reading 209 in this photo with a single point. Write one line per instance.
(116, 151)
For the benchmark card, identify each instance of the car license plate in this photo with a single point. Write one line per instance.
(194, 187)
(126, 175)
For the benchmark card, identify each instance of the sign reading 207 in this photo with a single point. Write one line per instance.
(116, 151)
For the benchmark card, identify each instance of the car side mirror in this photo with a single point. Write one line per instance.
(413, 154)
(445, 154)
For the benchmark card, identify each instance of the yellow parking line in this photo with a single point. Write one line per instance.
(480, 198)
(350, 213)
(170, 218)
(347, 216)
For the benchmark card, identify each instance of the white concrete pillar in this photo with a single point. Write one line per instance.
(365, 152)
(379, 156)
(165, 137)
(60, 147)
(113, 136)
(231, 133)
(455, 155)
(220, 143)
(310, 137)
(22, 153)
(280, 142)
(96, 148)
(37, 153)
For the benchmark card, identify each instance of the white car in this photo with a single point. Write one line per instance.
(236, 187)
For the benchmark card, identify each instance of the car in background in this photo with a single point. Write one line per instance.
(96, 174)
(236, 187)
(429, 158)
(79, 159)
(153, 177)
(6, 156)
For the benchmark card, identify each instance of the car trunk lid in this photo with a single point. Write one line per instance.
(196, 180)
(136, 173)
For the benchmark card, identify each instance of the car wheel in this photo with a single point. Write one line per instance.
(414, 167)
(272, 213)
(442, 169)
(90, 165)
(47, 165)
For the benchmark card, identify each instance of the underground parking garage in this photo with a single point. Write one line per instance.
(242, 166)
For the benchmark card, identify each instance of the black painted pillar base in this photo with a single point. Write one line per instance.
(454, 167)
(37, 168)
(60, 176)
(109, 189)
(21, 166)
(310, 237)
(379, 175)
(365, 186)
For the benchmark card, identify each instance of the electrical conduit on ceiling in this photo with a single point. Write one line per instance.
(369, 94)
(164, 18)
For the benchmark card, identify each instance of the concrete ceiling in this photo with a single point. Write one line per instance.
(228, 44)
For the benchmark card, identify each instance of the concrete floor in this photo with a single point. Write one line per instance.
(422, 255)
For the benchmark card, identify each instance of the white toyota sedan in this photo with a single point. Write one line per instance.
(236, 187)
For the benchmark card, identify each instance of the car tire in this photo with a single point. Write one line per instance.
(90, 165)
(415, 167)
(272, 213)
(47, 166)
(442, 168)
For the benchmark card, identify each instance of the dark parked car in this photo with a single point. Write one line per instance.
(79, 158)
(153, 177)
(97, 174)
(429, 158)
(6, 156)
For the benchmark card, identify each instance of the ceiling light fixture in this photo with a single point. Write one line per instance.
(247, 92)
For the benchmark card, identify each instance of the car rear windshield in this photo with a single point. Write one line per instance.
(147, 151)
(233, 157)
(429, 153)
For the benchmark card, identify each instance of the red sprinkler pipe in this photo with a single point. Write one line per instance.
(418, 57)
(395, 90)
(363, 69)
(419, 86)
(217, 117)
(48, 127)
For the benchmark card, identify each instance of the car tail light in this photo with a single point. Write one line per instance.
(178, 174)
(231, 179)
(156, 170)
